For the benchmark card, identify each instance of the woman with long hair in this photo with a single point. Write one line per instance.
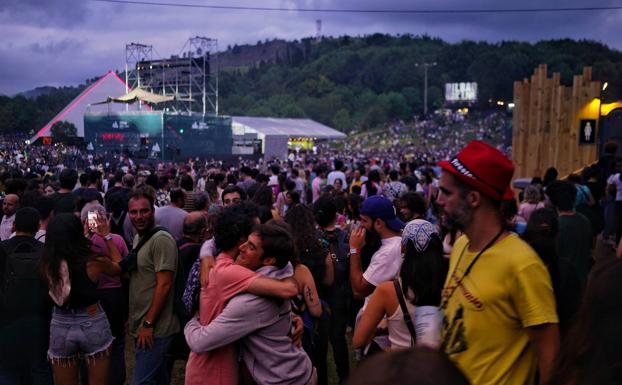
(353, 210)
(310, 250)
(264, 199)
(372, 186)
(418, 286)
(591, 354)
(79, 327)
(314, 270)
(430, 192)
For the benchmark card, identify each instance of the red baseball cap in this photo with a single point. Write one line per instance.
(484, 168)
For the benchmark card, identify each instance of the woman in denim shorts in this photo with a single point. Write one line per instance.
(79, 329)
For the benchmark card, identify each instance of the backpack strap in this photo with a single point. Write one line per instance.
(145, 238)
(188, 244)
(129, 263)
(406, 314)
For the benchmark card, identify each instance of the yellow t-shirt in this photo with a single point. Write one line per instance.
(355, 183)
(507, 290)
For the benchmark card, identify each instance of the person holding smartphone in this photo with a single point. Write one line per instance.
(109, 287)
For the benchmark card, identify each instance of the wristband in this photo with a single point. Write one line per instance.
(354, 250)
(108, 237)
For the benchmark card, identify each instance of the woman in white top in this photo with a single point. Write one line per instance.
(420, 283)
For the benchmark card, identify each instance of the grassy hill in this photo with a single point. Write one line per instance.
(361, 83)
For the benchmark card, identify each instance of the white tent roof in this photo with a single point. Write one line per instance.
(292, 128)
(139, 94)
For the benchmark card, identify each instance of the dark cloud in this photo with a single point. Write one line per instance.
(60, 42)
(56, 47)
(44, 13)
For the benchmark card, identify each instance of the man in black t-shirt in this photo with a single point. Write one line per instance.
(25, 307)
(64, 199)
(574, 250)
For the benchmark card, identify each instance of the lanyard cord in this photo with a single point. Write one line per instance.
(468, 269)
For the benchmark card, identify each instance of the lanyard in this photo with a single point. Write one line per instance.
(468, 269)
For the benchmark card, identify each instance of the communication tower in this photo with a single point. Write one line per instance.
(318, 29)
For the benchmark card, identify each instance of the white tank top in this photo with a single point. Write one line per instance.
(427, 320)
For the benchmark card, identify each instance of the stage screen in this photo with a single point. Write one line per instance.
(460, 92)
(149, 132)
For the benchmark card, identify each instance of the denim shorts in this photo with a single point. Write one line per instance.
(79, 333)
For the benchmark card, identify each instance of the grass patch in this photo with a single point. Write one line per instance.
(178, 375)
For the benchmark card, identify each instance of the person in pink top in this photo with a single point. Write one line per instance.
(226, 280)
(319, 182)
(531, 203)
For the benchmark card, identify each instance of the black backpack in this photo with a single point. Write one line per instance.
(23, 289)
(116, 204)
(180, 284)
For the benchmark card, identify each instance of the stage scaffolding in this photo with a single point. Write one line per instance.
(191, 76)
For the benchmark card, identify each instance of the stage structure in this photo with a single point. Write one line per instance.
(191, 77)
(157, 134)
(135, 53)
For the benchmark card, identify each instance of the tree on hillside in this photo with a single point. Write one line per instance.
(63, 129)
(357, 82)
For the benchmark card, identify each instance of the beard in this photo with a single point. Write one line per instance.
(460, 218)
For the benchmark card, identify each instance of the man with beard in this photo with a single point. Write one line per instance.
(9, 208)
(377, 215)
(152, 321)
(500, 318)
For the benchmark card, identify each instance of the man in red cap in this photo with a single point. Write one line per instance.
(500, 318)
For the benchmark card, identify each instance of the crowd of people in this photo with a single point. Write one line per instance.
(249, 273)
(431, 140)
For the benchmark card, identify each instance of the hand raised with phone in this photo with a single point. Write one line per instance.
(102, 224)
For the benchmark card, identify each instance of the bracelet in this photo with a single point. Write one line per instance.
(354, 250)
(148, 324)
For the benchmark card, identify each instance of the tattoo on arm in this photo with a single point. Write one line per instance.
(309, 294)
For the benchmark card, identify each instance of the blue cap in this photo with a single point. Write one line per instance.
(380, 207)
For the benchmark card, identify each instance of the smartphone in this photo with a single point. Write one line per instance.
(91, 220)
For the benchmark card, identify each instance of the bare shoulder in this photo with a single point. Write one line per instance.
(301, 269)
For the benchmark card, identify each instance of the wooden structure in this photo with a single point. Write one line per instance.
(546, 123)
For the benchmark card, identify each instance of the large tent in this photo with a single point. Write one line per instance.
(277, 134)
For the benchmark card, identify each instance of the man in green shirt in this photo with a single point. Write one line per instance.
(152, 321)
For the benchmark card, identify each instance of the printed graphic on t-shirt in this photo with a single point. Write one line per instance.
(454, 332)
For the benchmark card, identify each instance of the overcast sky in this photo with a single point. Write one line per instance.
(63, 42)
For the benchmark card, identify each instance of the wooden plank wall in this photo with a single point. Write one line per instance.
(546, 122)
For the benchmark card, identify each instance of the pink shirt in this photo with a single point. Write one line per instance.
(526, 209)
(316, 187)
(218, 366)
(99, 247)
